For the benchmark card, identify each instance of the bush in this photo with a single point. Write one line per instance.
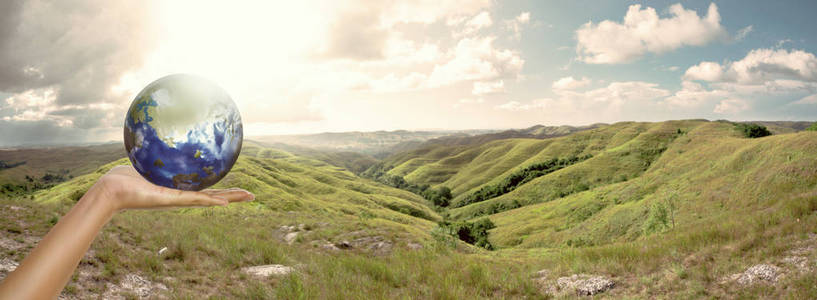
(439, 197)
(813, 127)
(473, 233)
(379, 173)
(519, 178)
(752, 130)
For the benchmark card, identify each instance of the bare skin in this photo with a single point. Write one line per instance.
(45, 271)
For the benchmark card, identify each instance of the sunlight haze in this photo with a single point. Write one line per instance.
(330, 66)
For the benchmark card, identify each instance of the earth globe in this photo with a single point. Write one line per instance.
(183, 132)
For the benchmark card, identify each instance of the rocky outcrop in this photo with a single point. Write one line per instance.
(289, 233)
(135, 285)
(267, 270)
(6, 266)
(577, 284)
(762, 273)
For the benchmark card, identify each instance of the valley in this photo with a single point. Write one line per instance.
(674, 209)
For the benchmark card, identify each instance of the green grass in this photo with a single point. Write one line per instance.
(40, 161)
(738, 202)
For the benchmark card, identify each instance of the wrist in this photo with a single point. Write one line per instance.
(101, 199)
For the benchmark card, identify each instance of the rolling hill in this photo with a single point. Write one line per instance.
(675, 209)
(375, 143)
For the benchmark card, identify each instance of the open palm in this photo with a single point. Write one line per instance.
(129, 190)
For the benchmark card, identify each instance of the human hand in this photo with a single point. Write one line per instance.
(46, 270)
(123, 188)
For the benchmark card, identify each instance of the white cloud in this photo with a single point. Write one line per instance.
(478, 22)
(570, 83)
(693, 94)
(762, 75)
(393, 83)
(619, 92)
(643, 31)
(731, 106)
(758, 67)
(425, 11)
(516, 106)
(707, 71)
(782, 42)
(811, 99)
(764, 64)
(476, 59)
(743, 32)
(515, 25)
(488, 87)
(602, 100)
(468, 101)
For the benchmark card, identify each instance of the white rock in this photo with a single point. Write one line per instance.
(267, 270)
(7, 265)
(290, 237)
(329, 246)
(134, 284)
(584, 285)
(414, 246)
(761, 272)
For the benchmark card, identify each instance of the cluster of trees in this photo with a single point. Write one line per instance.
(35, 183)
(475, 233)
(440, 197)
(9, 165)
(752, 130)
(379, 173)
(519, 178)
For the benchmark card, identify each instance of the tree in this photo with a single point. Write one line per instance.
(671, 202)
(752, 130)
(439, 197)
(813, 127)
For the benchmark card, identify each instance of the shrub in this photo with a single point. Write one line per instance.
(813, 127)
(439, 197)
(752, 130)
(473, 233)
(519, 178)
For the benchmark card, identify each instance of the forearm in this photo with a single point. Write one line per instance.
(46, 270)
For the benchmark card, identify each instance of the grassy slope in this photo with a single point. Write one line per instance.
(208, 246)
(620, 152)
(285, 183)
(352, 161)
(712, 173)
(740, 202)
(465, 162)
(77, 160)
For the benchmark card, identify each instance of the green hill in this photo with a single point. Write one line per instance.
(673, 209)
(353, 239)
(652, 198)
(463, 163)
(287, 183)
(709, 175)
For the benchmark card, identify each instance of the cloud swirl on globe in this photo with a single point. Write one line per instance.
(183, 132)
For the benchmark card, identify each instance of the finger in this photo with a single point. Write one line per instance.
(189, 198)
(231, 194)
(219, 191)
(235, 195)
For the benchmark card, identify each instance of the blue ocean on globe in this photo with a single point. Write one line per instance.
(183, 132)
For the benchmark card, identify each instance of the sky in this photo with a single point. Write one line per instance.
(69, 69)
